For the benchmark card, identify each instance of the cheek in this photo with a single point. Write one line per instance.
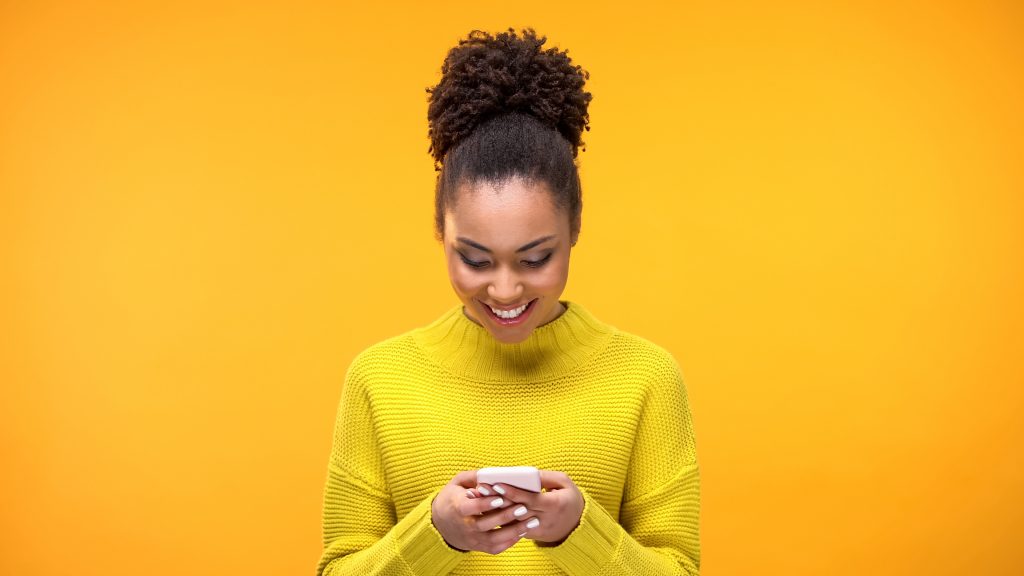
(555, 277)
(464, 281)
(551, 279)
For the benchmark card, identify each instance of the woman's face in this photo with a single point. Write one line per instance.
(507, 247)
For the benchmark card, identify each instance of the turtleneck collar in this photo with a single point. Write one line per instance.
(467, 349)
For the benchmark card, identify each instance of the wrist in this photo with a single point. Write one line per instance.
(432, 512)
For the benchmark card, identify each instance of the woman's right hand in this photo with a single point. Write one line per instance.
(468, 523)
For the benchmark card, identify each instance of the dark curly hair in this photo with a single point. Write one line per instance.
(505, 108)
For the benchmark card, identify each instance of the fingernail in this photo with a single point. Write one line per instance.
(483, 490)
(523, 534)
(470, 494)
(533, 523)
(496, 502)
(520, 511)
(499, 489)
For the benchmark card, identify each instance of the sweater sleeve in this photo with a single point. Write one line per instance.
(658, 528)
(361, 534)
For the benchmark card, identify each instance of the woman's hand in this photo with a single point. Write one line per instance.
(558, 510)
(468, 523)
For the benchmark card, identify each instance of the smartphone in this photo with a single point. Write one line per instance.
(525, 477)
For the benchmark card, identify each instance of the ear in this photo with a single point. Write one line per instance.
(574, 230)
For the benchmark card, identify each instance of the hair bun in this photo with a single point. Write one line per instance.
(484, 76)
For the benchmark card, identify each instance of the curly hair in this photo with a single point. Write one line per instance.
(505, 108)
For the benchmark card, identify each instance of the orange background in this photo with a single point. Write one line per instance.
(208, 210)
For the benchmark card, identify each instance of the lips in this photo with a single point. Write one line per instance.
(518, 320)
(507, 308)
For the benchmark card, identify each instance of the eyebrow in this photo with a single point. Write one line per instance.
(523, 248)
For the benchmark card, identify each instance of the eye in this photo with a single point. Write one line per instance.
(471, 263)
(530, 263)
(537, 263)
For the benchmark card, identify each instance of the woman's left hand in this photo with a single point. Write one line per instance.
(558, 509)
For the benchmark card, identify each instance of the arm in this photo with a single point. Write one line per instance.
(660, 513)
(360, 532)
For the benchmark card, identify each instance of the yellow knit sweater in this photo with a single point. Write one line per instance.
(579, 396)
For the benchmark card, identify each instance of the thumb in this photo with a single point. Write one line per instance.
(466, 479)
(553, 479)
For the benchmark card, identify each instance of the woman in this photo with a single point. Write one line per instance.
(511, 376)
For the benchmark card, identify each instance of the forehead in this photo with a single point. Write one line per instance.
(504, 215)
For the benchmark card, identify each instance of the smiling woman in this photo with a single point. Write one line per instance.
(508, 290)
(513, 375)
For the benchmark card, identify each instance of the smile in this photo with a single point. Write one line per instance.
(512, 317)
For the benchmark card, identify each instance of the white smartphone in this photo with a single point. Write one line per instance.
(525, 477)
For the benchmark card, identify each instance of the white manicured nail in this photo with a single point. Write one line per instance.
(483, 490)
(496, 502)
(533, 523)
(523, 534)
(499, 489)
(520, 511)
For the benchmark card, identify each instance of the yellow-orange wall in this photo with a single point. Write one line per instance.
(206, 210)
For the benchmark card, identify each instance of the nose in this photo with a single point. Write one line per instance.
(505, 288)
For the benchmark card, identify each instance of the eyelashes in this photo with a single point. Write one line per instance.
(530, 263)
(470, 263)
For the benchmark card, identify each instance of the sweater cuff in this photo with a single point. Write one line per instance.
(422, 547)
(591, 545)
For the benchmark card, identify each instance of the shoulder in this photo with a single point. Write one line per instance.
(384, 356)
(664, 385)
(642, 354)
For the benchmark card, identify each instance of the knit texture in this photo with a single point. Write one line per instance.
(578, 396)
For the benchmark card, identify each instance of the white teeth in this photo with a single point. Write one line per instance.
(511, 313)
